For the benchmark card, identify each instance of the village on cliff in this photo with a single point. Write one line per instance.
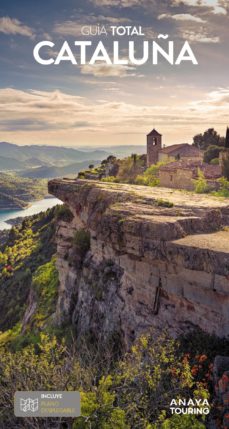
(178, 166)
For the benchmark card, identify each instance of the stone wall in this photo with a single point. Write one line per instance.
(164, 157)
(180, 179)
(147, 265)
(153, 149)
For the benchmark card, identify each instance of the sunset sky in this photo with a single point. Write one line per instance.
(101, 105)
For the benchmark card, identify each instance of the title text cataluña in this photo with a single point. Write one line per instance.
(86, 52)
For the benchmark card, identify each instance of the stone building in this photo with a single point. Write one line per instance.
(154, 140)
(180, 174)
(176, 152)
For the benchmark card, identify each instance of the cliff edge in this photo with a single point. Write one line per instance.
(142, 257)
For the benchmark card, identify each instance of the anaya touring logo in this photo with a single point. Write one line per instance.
(190, 406)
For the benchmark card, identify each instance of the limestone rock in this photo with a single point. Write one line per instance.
(148, 265)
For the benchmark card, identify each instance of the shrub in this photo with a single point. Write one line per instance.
(201, 185)
(182, 422)
(164, 203)
(211, 153)
(45, 283)
(147, 181)
(134, 393)
(214, 161)
(63, 213)
(224, 188)
(110, 179)
(81, 240)
(129, 168)
(150, 176)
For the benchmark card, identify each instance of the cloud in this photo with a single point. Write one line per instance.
(58, 118)
(25, 124)
(105, 70)
(14, 26)
(218, 98)
(181, 17)
(32, 111)
(74, 28)
(119, 3)
(201, 37)
(214, 5)
(82, 124)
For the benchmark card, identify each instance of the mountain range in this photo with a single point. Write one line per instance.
(41, 161)
(48, 154)
(50, 172)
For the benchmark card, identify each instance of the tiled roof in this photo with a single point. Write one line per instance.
(154, 133)
(210, 171)
(182, 164)
(184, 149)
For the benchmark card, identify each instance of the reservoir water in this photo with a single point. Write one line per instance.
(36, 207)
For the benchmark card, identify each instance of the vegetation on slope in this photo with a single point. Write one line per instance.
(119, 392)
(50, 172)
(29, 247)
(134, 392)
(16, 192)
(116, 170)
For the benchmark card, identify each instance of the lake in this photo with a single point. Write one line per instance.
(36, 207)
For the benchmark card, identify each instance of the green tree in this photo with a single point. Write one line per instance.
(209, 138)
(183, 422)
(109, 160)
(134, 392)
(212, 152)
(226, 166)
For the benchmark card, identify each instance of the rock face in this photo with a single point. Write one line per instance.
(150, 263)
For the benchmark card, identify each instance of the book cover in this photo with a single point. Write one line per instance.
(114, 214)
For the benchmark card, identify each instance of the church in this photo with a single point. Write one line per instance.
(176, 152)
(182, 163)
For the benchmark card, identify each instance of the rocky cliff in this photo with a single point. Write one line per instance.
(138, 261)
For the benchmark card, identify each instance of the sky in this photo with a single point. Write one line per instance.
(102, 105)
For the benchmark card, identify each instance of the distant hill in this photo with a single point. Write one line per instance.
(45, 172)
(10, 163)
(7, 202)
(120, 151)
(40, 161)
(16, 192)
(49, 154)
(35, 162)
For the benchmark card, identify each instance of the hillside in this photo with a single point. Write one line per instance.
(28, 156)
(50, 172)
(66, 318)
(121, 151)
(29, 246)
(17, 192)
(10, 163)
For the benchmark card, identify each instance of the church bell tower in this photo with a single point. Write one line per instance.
(154, 146)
